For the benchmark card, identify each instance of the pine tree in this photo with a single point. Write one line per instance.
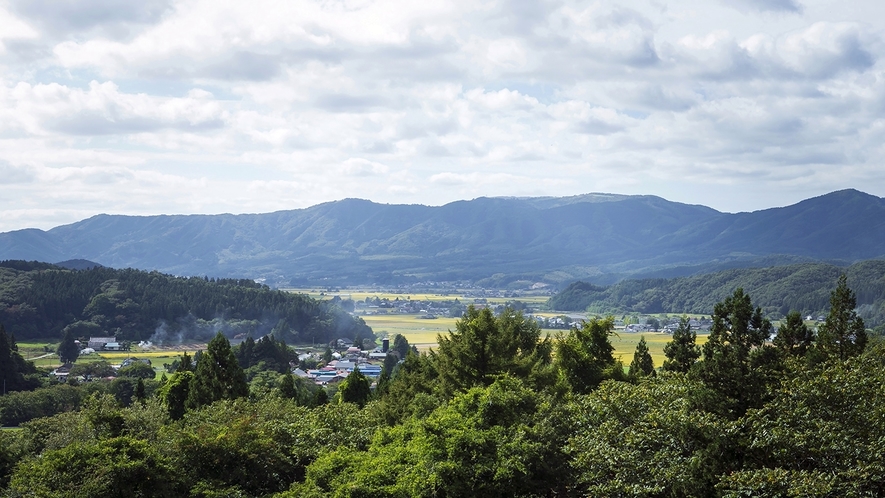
(681, 352)
(643, 365)
(843, 334)
(793, 336)
(218, 375)
(68, 351)
(734, 355)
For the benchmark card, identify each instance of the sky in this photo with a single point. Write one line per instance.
(216, 106)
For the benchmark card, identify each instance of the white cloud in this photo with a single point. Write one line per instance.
(198, 105)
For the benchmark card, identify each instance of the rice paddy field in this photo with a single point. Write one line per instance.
(422, 333)
(36, 352)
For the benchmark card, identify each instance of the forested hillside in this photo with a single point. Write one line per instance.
(778, 290)
(40, 301)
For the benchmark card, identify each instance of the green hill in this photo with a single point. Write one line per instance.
(804, 287)
(38, 300)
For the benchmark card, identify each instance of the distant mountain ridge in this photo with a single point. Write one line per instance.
(601, 236)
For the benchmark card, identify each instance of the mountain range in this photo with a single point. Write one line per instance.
(504, 241)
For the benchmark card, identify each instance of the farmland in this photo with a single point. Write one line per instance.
(422, 333)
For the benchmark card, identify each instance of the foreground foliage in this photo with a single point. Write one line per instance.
(748, 418)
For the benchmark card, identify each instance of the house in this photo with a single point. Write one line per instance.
(113, 346)
(61, 373)
(98, 343)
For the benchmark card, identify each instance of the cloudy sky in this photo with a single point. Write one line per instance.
(212, 106)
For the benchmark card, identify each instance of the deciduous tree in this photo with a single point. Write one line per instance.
(584, 357)
(68, 351)
(355, 389)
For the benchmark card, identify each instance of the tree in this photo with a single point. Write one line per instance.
(139, 391)
(734, 363)
(186, 364)
(12, 366)
(584, 357)
(793, 336)
(401, 346)
(681, 352)
(483, 346)
(120, 466)
(68, 350)
(175, 393)
(287, 387)
(642, 365)
(217, 376)
(843, 333)
(137, 370)
(355, 389)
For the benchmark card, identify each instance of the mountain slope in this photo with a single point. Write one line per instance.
(553, 239)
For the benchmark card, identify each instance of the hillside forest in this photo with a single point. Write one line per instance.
(496, 410)
(777, 290)
(39, 300)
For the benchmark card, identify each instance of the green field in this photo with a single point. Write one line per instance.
(361, 295)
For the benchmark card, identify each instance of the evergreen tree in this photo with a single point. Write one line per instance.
(68, 350)
(355, 389)
(10, 377)
(217, 376)
(642, 365)
(734, 357)
(244, 352)
(584, 357)
(139, 391)
(681, 352)
(793, 336)
(843, 334)
(483, 346)
(401, 346)
(287, 387)
(186, 364)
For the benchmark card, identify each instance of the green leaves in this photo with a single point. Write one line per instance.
(584, 356)
(681, 351)
(484, 346)
(843, 334)
(218, 375)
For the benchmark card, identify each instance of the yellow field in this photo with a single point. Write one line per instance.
(418, 331)
(422, 333)
(116, 357)
(625, 345)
